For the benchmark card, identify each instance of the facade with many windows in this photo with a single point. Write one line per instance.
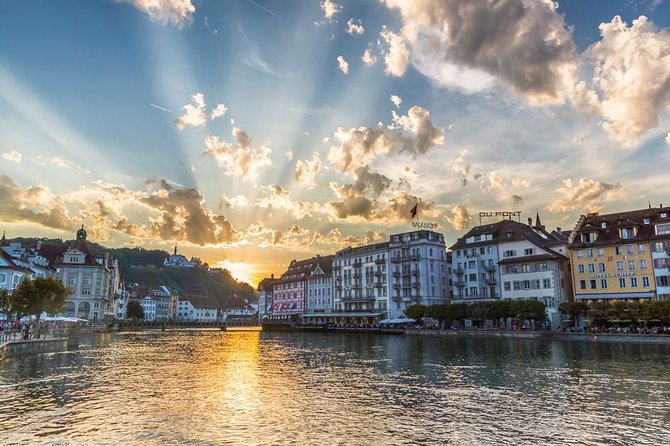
(621, 255)
(320, 299)
(289, 293)
(418, 270)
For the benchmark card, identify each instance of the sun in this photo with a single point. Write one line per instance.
(242, 272)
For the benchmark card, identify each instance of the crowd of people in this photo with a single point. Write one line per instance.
(26, 330)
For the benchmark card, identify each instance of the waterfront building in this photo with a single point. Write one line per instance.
(27, 257)
(475, 274)
(148, 305)
(197, 308)
(91, 277)
(178, 261)
(265, 287)
(613, 255)
(534, 265)
(166, 303)
(361, 287)
(289, 293)
(419, 273)
(11, 272)
(320, 298)
(121, 303)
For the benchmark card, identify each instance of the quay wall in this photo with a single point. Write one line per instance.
(33, 346)
(600, 337)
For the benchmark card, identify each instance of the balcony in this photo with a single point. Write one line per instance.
(396, 274)
(357, 264)
(416, 272)
(355, 287)
(491, 281)
(396, 286)
(395, 259)
(460, 284)
(459, 271)
(336, 267)
(396, 298)
(379, 284)
(356, 275)
(490, 268)
(406, 273)
(380, 261)
(416, 285)
(415, 256)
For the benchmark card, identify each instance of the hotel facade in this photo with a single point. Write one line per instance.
(621, 256)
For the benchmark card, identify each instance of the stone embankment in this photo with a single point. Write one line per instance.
(543, 335)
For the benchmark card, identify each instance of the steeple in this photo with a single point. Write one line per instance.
(81, 234)
(538, 223)
(175, 249)
(3, 241)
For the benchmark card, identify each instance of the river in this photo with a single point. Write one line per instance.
(247, 388)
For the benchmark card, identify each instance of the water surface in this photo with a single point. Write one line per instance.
(211, 388)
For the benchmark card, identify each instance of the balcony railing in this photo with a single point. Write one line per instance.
(395, 259)
(491, 281)
(460, 284)
(380, 261)
(491, 268)
(416, 272)
(357, 264)
(459, 271)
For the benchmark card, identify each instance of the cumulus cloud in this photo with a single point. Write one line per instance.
(32, 205)
(460, 217)
(218, 111)
(667, 140)
(424, 133)
(342, 65)
(238, 159)
(355, 28)
(401, 203)
(289, 154)
(368, 58)
(461, 167)
(182, 216)
(586, 100)
(305, 171)
(396, 100)
(632, 72)
(352, 199)
(330, 9)
(13, 156)
(396, 54)
(194, 113)
(586, 195)
(357, 147)
(178, 13)
(496, 182)
(523, 43)
(279, 198)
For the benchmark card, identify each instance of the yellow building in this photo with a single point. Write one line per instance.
(611, 256)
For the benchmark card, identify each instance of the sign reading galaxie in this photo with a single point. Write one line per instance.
(421, 224)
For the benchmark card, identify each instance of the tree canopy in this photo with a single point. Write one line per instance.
(134, 310)
(37, 295)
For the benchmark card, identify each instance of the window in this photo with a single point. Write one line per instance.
(528, 251)
(509, 253)
(663, 280)
(617, 250)
(580, 253)
(619, 265)
(663, 229)
(601, 252)
(640, 248)
(645, 282)
(622, 282)
(633, 282)
(627, 233)
(643, 264)
(603, 284)
(580, 269)
(582, 284)
(592, 268)
(508, 286)
(631, 265)
(588, 237)
(589, 253)
(546, 283)
(601, 267)
(593, 284)
(629, 249)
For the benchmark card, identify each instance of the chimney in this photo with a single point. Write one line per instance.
(272, 276)
(558, 229)
(39, 245)
(530, 221)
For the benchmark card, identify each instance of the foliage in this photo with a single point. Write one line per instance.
(573, 309)
(38, 295)
(417, 312)
(134, 310)
(5, 303)
(600, 312)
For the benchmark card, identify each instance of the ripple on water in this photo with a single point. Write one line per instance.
(209, 387)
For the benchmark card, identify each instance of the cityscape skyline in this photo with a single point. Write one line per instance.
(251, 133)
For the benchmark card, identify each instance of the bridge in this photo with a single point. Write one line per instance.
(222, 325)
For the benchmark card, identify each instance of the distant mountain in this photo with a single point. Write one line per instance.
(145, 266)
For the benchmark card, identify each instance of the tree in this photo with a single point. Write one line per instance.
(5, 303)
(135, 310)
(573, 309)
(479, 311)
(500, 309)
(416, 311)
(600, 312)
(35, 296)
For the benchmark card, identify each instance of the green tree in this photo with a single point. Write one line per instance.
(457, 312)
(416, 311)
(500, 309)
(573, 309)
(135, 310)
(5, 303)
(479, 311)
(529, 310)
(600, 312)
(35, 296)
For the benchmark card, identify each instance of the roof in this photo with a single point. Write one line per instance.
(348, 251)
(499, 231)
(300, 270)
(53, 252)
(199, 301)
(607, 226)
(266, 283)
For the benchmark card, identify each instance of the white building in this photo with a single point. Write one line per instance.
(535, 266)
(419, 270)
(91, 278)
(197, 308)
(178, 260)
(320, 298)
(361, 286)
(264, 290)
(121, 304)
(166, 303)
(660, 252)
(148, 304)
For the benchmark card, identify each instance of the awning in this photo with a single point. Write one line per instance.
(400, 320)
(343, 314)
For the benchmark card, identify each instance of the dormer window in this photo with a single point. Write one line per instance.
(603, 225)
(664, 215)
(627, 233)
(646, 220)
(509, 234)
(589, 237)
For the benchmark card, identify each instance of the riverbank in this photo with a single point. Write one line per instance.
(600, 337)
(33, 346)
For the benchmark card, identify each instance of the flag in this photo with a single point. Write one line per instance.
(414, 210)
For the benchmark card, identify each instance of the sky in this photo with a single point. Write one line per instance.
(253, 132)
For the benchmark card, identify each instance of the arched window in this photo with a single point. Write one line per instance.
(69, 309)
(83, 310)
